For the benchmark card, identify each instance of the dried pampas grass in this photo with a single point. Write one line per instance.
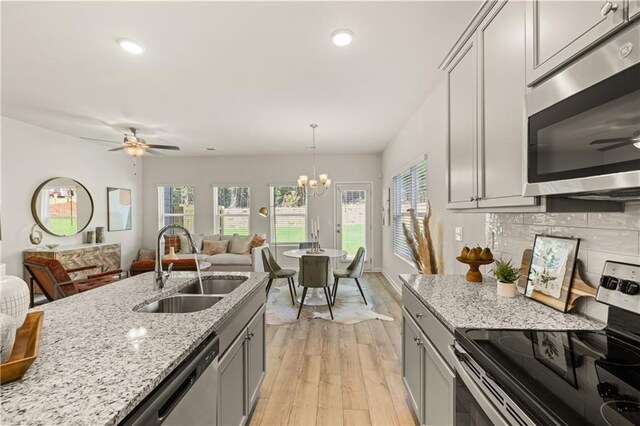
(426, 251)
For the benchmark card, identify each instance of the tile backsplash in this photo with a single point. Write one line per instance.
(603, 236)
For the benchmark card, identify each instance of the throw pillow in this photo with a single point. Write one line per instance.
(211, 237)
(146, 254)
(171, 241)
(214, 247)
(257, 241)
(240, 244)
(185, 247)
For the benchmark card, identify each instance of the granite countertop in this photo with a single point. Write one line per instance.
(462, 304)
(98, 358)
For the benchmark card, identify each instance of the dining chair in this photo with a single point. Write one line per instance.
(354, 270)
(315, 272)
(276, 272)
(306, 245)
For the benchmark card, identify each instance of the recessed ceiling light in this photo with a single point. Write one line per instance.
(211, 149)
(130, 46)
(342, 37)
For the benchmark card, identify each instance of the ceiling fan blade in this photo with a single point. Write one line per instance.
(618, 145)
(609, 140)
(172, 147)
(99, 140)
(117, 149)
(153, 151)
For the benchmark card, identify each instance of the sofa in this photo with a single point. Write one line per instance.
(239, 260)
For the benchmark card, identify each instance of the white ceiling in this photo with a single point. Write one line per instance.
(245, 78)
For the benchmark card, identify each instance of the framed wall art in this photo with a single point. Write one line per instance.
(551, 270)
(119, 209)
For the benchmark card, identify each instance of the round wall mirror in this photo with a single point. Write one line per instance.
(62, 206)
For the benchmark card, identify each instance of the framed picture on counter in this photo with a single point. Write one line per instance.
(119, 209)
(551, 270)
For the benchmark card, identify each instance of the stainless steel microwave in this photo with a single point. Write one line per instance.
(583, 125)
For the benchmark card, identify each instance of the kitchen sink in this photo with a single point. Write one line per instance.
(214, 285)
(179, 304)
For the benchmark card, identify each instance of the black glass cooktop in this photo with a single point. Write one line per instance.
(563, 377)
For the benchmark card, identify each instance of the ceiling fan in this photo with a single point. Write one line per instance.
(634, 140)
(136, 146)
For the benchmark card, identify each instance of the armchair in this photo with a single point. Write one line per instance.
(54, 280)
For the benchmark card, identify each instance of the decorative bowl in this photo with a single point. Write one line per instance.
(473, 274)
(51, 246)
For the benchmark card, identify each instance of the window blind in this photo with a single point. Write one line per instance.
(409, 192)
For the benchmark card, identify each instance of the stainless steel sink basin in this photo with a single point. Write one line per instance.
(214, 285)
(180, 304)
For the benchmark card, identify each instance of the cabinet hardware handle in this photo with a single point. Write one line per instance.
(415, 339)
(478, 198)
(251, 334)
(607, 8)
(472, 199)
(419, 342)
(418, 315)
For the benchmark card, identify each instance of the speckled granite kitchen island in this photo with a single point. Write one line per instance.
(458, 303)
(98, 358)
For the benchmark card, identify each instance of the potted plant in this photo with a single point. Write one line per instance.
(507, 275)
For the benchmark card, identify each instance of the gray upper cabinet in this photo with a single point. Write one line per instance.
(486, 89)
(559, 31)
(461, 152)
(502, 86)
(634, 9)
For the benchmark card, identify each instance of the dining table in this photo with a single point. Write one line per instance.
(315, 298)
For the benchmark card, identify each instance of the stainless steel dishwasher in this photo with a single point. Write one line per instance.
(188, 396)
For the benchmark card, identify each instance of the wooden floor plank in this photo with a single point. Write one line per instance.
(353, 394)
(381, 408)
(330, 400)
(382, 341)
(304, 409)
(326, 373)
(356, 418)
(393, 375)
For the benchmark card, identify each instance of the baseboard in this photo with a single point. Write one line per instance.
(396, 287)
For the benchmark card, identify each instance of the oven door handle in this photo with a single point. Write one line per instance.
(480, 397)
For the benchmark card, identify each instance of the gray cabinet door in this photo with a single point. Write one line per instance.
(232, 400)
(501, 91)
(634, 9)
(461, 147)
(411, 362)
(558, 31)
(256, 350)
(439, 387)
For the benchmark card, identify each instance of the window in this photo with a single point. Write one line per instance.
(231, 210)
(409, 192)
(176, 206)
(289, 215)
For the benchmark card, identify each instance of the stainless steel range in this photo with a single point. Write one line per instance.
(556, 377)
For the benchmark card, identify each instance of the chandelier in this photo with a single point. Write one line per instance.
(317, 185)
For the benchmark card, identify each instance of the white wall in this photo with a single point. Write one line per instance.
(425, 133)
(32, 154)
(258, 172)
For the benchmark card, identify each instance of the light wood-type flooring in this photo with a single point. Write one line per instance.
(324, 373)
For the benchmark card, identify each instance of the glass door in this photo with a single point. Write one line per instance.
(353, 219)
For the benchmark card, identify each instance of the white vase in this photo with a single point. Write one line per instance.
(14, 298)
(172, 254)
(506, 289)
(7, 336)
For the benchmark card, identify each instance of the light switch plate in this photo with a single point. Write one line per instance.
(458, 233)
